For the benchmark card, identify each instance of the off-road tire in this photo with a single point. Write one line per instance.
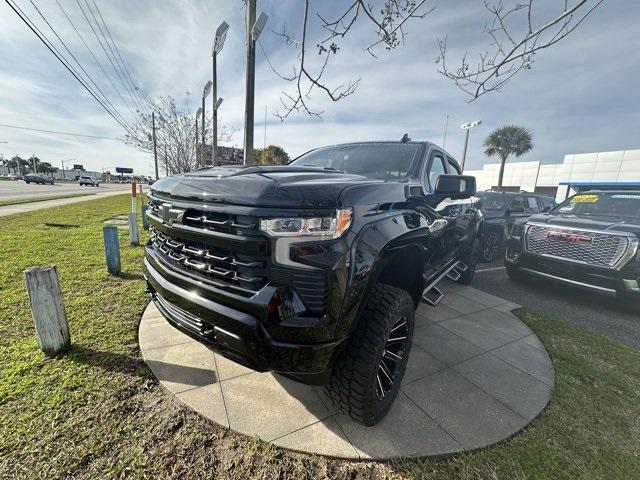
(353, 386)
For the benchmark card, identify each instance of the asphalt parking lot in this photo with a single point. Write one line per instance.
(588, 310)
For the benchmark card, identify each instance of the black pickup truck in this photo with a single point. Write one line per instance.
(314, 269)
(590, 241)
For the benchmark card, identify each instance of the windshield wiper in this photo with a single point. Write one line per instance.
(324, 168)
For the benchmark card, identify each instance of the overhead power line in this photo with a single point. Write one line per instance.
(122, 62)
(61, 59)
(98, 63)
(109, 57)
(104, 97)
(17, 127)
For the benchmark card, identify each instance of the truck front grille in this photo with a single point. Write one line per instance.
(584, 246)
(228, 251)
(245, 272)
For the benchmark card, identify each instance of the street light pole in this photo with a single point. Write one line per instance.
(467, 126)
(249, 85)
(198, 113)
(202, 140)
(205, 92)
(254, 28)
(218, 43)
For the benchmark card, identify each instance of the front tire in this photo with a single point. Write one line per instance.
(366, 377)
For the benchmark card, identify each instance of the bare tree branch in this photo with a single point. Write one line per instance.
(388, 21)
(175, 135)
(512, 48)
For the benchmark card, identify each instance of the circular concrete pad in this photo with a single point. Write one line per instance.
(476, 375)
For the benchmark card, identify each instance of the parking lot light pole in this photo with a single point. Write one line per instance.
(218, 43)
(198, 113)
(467, 126)
(254, 28)
(205, 92)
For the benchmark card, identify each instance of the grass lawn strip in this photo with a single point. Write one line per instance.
(21, 200)
(98, 412)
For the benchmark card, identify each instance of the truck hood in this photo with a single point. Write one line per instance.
(617, 224)
(268, 186)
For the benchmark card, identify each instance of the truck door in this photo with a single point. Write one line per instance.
(444, 247)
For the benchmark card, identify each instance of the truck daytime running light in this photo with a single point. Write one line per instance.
(323, 227)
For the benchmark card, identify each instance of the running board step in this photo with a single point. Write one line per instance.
(457, 271)
(433, 296)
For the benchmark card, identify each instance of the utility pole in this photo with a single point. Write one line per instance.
(264, 142)
(33, 161)
(155, 147)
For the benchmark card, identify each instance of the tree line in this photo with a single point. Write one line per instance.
(20, 165)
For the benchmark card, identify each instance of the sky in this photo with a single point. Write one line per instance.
(580, 96)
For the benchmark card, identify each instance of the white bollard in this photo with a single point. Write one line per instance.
(47, 309)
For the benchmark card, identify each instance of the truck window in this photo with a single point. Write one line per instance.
(518, 204)
(453, 168)
(533, 205)
(436, 168)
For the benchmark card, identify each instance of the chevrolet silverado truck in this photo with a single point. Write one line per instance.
(314, 269)
(590, 241)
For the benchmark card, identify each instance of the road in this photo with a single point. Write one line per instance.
(588, 310)
(19, 189)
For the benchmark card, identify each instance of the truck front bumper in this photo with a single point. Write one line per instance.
(622, 282)
(234, 333)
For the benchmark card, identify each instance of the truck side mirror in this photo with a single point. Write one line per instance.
(455, 186)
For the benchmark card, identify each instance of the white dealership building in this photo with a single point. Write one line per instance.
(619, 169)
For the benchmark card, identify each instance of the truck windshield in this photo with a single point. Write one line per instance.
(609, 204)
(493, 201)
(386, 161)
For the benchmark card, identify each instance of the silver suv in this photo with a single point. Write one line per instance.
(88, 181)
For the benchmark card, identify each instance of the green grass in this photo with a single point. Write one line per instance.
(21, 200)
(98, 412)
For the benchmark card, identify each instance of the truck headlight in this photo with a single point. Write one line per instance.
(318, 227)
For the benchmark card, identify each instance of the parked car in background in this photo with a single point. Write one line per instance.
(590, 241)
(314, 269)
(501, 210)
(86, 181)
(37, 178)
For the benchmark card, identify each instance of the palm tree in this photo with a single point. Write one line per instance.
(505, 141)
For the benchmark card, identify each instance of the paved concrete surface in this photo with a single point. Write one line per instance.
(594, 312)
(19, 189)
(476, 375)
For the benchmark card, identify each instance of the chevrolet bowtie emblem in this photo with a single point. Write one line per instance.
(170, 215)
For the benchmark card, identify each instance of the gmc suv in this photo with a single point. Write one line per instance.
(590, 241)
(314, 269)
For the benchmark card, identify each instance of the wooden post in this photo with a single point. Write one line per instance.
(133, 229)
(133, 216)
(47, 309)
(145, 221)
(112, 249)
